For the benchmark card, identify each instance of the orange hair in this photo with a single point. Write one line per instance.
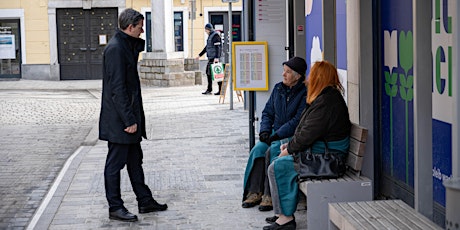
(322, 75)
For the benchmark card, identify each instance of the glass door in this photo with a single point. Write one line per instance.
(10, 48)
(178, 32)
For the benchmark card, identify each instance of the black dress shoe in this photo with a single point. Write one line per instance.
(291, 225)
(122, 215)
(206, 92)
(218, 93)
(271, 219)
(152, 206)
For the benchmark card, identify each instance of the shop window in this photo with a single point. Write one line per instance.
(10, 49)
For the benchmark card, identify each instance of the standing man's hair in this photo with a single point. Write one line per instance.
(129, 17)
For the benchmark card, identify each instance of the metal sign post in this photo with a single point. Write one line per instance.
(230, 38)
(192, 17)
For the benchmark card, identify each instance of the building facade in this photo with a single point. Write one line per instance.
(64, 39)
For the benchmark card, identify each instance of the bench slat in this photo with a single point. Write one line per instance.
(358, 137)
(337, 214)
(404, 217)
(422, 221)
(359, 133)
(348, 177)
(388, 221)
(374, 221)
(357, 147)
(355, 162)
(381, 214)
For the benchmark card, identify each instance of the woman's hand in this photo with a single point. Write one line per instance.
(283, 146)
(284, 152)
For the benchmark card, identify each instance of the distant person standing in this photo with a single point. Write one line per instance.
(213, 50)
(122, 120)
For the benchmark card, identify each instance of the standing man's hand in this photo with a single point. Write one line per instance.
(197, 58)
(216, 60)
(131, 129)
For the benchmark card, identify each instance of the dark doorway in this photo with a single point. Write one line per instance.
(220, 22)
(82, 36)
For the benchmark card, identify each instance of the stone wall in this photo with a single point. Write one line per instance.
(169, 72)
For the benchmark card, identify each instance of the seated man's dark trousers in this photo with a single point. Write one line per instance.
(118, 156)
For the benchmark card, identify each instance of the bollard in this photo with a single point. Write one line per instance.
(452, 203)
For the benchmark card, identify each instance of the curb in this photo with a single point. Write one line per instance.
(44, 214)
(92, 137)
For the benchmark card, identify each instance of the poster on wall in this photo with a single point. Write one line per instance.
(7, 47)
(397, 110)
(397, 76)
(250, 66)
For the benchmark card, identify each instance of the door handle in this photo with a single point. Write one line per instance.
(92, 49)
(83, 49)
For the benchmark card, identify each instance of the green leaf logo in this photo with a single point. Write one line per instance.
(406, 90)
(390, 84)
(406, 50)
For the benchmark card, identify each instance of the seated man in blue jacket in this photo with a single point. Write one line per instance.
(280, 117)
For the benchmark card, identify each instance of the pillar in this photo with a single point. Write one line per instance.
(163, 66)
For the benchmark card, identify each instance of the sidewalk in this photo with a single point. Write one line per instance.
(194, 160)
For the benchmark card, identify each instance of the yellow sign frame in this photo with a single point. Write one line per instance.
(258, 53)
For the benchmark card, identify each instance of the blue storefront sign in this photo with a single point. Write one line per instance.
(397, 93)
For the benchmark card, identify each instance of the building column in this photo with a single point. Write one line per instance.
(163, 66)
(162, 31)
(456, 95)
(360, 74)
(423, 154)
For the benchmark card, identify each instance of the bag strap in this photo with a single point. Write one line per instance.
(326, 147)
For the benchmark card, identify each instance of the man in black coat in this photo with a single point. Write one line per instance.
(213, 50)
(122, 120)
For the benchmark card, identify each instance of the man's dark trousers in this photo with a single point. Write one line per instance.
(209, 75)
(118, 156)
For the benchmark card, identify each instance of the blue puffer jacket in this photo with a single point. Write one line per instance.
(283, 109)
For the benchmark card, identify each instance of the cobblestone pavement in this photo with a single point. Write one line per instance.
(41, 125)
(194, 161)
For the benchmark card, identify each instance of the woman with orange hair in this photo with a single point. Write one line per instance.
(326, 119)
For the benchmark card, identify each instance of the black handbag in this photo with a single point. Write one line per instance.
(327, 165)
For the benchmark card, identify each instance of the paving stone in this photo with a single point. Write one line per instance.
(194, 159)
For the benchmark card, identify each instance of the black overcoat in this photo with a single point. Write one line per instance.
(121, 104)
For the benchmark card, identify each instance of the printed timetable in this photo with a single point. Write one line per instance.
(250, 66)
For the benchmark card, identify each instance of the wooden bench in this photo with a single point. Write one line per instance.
(351, 187)
(379, 214)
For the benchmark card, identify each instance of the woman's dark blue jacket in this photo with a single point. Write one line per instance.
(283, 109)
